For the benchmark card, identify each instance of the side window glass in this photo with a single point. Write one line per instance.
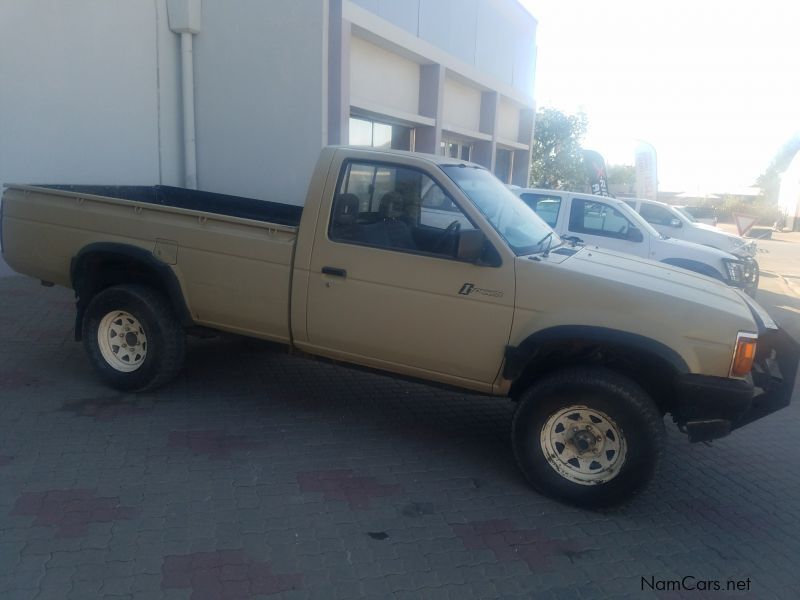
(397, 208)
(360, 184)
(547, 207)
(598, 218)
(655, 214)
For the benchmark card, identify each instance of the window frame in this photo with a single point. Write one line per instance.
(597, 232)
(540, 197)
(344, 171)
(670, 216)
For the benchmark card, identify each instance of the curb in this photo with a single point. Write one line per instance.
(794, 288)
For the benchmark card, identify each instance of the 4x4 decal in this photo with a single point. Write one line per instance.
(469, 288)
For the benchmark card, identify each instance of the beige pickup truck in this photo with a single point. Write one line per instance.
(425, 267)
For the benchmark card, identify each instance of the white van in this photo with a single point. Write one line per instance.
(611, 223)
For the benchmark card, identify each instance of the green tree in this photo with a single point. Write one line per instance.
(621, 180)
(622, 174)
(557, 161)
(770, 180)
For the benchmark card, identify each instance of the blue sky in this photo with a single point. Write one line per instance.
(713, 86)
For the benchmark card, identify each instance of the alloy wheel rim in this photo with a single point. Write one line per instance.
(583, 445)
(122, 341)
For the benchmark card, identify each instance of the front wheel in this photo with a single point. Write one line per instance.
(588, 436)
(133, 338)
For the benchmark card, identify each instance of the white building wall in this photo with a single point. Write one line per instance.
(508, 120)
(382, 79)
(80, 100)
(496, 36)
(461, 107)
(90, 89)
(260, 99)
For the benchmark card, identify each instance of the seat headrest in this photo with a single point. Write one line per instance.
(391, 206)
(346, 209)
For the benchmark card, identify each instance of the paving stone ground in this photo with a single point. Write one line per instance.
(259, 474)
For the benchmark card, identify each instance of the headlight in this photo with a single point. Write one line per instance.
(749, 269)
(735, 270)
(744, 354)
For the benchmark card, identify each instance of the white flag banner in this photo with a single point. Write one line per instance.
(646, 172)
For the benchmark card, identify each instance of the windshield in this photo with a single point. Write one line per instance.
(519, 226)
(685, 213)
(637, 219)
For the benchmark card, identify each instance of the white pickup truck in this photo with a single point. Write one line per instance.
(613, 224)
(680, 224)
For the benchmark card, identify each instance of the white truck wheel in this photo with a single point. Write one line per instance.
(588, 436)
(133, 338)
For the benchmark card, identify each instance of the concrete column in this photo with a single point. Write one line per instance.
(431, 96)
(338, 75)
(484, 151)
(522, 158)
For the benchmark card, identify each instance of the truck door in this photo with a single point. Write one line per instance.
(663, 220)
(385, 288)
(598, 223)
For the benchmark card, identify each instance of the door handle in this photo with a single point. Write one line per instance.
(335, 271)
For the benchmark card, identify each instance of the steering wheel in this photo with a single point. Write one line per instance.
(441, 243)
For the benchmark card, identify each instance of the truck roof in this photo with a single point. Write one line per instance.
(433, 158)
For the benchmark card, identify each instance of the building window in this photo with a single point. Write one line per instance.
(455, 149)
(503, 163)
(364, 132)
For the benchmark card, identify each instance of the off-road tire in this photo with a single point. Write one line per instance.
(602, 392)
(165, 338)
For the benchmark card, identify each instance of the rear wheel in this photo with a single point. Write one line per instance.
(133, 338)
(588, 436)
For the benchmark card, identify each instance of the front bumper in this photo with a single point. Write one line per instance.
(748, 250)
(708, 408)
(749, 277)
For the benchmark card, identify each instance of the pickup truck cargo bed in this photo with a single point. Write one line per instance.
(225, 251)
(221, 204)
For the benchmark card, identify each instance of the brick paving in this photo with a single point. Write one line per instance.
(258, 474)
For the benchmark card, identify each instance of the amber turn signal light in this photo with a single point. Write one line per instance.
(744, 355)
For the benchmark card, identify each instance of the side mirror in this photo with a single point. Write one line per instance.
(635, 235)
(675, 223)
(470, 245)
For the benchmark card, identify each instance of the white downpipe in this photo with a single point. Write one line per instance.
(187, 80)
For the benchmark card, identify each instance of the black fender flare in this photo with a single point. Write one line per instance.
(84, 290)
(519, 358)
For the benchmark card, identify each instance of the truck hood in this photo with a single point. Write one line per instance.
(711, 228)
(673, 247)
(726, 241)
(630, 270)
(629, 293)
